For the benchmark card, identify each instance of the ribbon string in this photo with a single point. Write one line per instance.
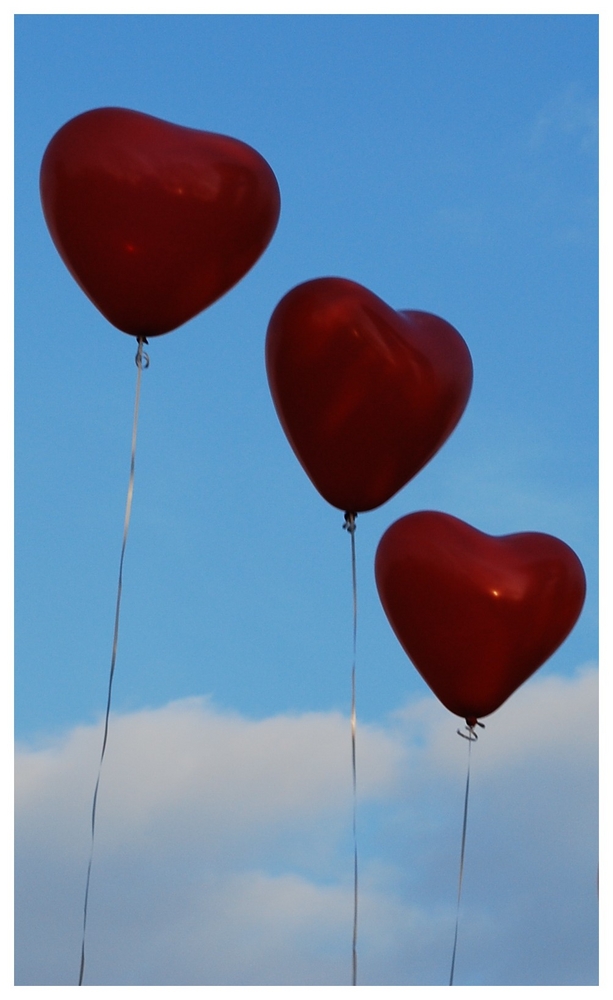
(142, 361)
(349, 525)
(471, 738)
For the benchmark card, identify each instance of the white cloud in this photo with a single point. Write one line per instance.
(224, 853)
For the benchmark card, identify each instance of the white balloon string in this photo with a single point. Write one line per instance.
(471, 738)
(142, 361)
(349, 524)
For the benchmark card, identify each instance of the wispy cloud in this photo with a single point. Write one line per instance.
(506, 485)
(568, 116)
(223, 850)
(467, 225)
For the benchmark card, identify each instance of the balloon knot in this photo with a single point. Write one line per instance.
(350, 519)
(470, 733)
(142, 358)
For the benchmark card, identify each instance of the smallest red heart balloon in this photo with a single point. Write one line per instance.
(366, 395)
(477, 614)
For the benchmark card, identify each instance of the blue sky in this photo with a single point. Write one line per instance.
(449, 164)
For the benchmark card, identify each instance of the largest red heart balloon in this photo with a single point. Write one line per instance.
(153, 220)
(477, 614)
(365, 394)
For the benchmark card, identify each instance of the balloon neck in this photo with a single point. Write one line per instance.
(471, 722)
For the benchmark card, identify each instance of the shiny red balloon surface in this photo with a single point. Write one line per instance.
(366, 395)
(153, 220)
(476, 614)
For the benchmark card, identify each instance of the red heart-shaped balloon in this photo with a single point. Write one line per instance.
(476, 614)
(153, 220)
(366, 395)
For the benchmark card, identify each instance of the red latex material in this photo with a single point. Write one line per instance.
(476, 614)
(366, 395)
(153, 220)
